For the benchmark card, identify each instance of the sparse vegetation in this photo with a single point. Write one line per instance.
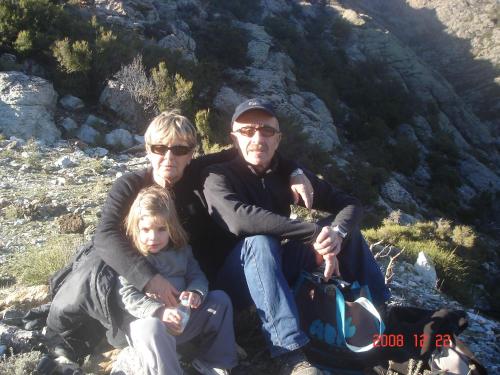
(20, 364)
(456, 272)
(36, 264)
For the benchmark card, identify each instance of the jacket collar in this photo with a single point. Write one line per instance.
(272, 168)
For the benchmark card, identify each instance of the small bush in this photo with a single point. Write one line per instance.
(455, 272)
(443, 228)
(36, 264)
(73, 57)
(464, 236)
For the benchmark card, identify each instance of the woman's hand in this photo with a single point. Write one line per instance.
(301, 187)
(160, 289)
(194, 299)
(172, 320)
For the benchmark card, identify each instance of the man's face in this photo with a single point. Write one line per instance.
(256, 147)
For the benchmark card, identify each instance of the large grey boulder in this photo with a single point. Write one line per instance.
(394, 192)
(27, 105)
(478, 175)
(119, 138)
(71, 103)
(181, 42)
(88, 134)
(116, 99)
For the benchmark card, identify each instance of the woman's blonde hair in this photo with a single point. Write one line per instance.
(168, 126)
(158, 203)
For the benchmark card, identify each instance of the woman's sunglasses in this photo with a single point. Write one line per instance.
(249, 131)
(177, 150)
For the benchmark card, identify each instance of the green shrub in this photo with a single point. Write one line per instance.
(464, 236)
(30, 26)
(73, 57)
(455, 272)
(172, 91)
(36, 264)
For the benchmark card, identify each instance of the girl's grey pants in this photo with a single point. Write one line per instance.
(212, 326)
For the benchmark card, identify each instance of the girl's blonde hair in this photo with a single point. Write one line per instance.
(168, 126)
(158, 203)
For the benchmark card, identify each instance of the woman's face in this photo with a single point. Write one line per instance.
(169, 160)
(153, 234)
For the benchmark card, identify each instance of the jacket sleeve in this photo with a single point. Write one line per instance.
(346, 210)
(135, 301)
(110, 240)
(243, 219)
(195, 278)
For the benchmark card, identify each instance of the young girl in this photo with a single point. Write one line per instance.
(153, 227)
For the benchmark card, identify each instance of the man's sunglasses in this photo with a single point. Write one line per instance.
(177, 150)
(249, 131)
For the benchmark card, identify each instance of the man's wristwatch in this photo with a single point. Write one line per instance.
(296, 172)
(342, 233)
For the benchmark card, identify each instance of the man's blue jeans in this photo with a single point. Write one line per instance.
(260, 270)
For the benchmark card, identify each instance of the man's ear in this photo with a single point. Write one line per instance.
(234, 139)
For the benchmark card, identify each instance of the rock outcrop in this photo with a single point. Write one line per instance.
(27, 105)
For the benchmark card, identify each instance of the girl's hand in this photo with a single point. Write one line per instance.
(160, 289)
(172, 320)
(193, 298)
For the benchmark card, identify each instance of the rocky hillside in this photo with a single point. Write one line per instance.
(459, 39)
(395, 101)
(57, 192)
(371, 83)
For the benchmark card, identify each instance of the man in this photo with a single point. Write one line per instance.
(252, 203)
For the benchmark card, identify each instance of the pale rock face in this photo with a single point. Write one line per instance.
(118, 100)
(425, 268)
(128, 12)
(27, 105)
(480, 177)
(227, 100)
(119, 138)
(393, 191)
(259, 45)
(181, 42)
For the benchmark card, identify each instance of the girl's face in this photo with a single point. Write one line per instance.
(153, 234)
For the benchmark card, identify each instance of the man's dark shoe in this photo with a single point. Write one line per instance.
(296, 363)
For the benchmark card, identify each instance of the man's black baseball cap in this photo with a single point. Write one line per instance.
(251, 104)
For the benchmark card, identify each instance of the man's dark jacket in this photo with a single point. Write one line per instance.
(247, 203)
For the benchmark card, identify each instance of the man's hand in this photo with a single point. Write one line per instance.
(194, 299)
(301, 187)
(328, 241)
(331, 266)
(172, 320)
(160, 288)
